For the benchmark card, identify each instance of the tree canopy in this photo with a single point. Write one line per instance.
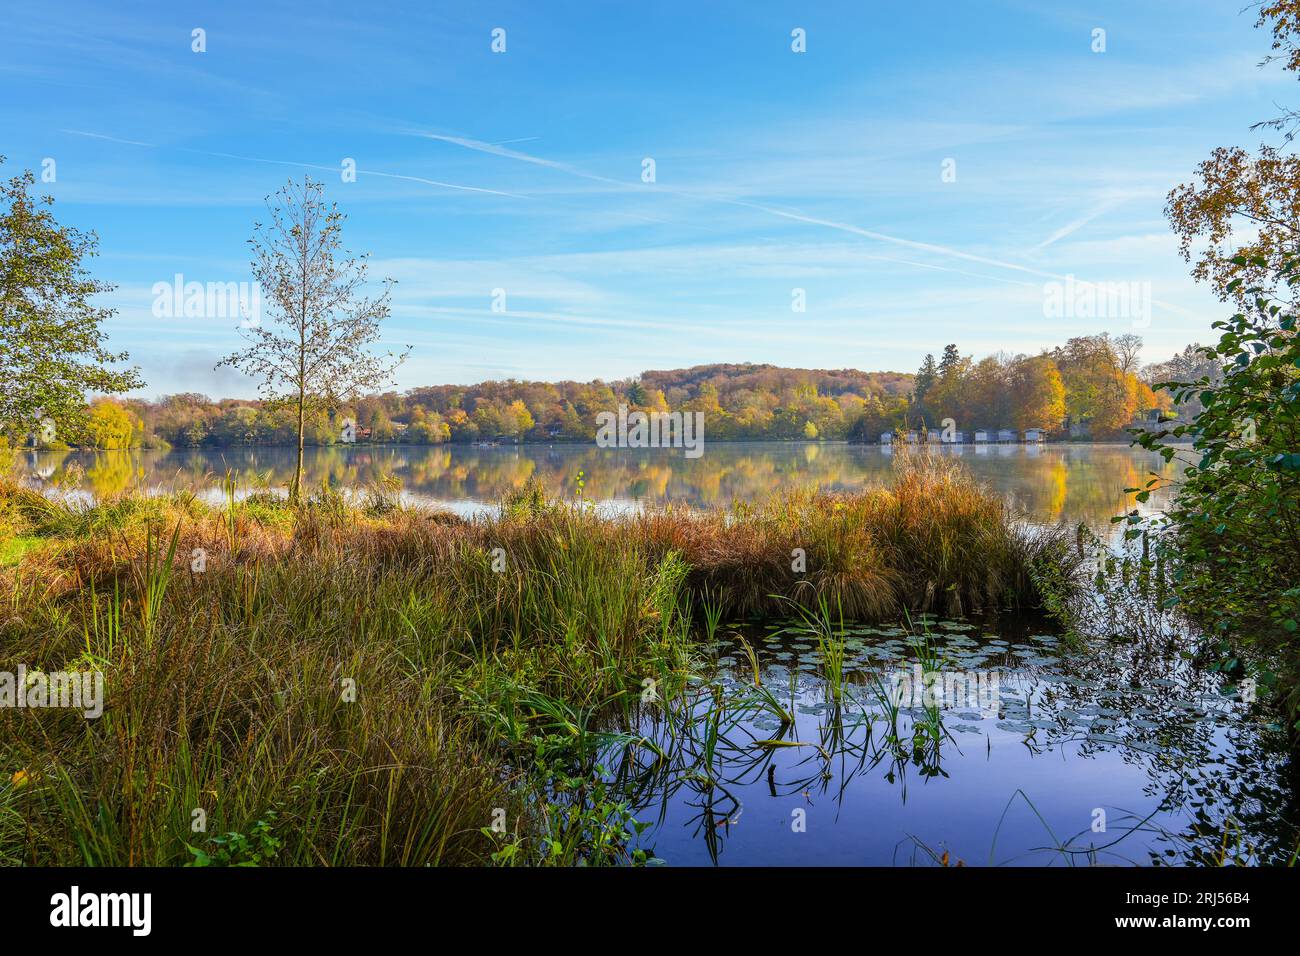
(51, 336)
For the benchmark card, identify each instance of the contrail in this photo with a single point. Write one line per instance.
(1077, 224)
(496, 150)
(285, 162)
(111, 139)
(360, 172)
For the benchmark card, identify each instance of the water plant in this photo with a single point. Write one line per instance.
(830, 636)
(711, 607)
(928, 726)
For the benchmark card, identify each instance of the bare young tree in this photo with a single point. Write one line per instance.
(314, 349)
(1128, 352)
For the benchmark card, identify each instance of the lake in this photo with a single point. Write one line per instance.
(1047, 482)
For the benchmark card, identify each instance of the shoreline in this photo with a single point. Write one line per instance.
(1117, 442)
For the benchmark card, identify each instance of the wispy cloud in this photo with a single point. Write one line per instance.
(789, 214)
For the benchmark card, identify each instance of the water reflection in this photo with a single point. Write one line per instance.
(1123, 754)
(1071, 482)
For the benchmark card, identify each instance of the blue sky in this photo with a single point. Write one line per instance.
(522, 170)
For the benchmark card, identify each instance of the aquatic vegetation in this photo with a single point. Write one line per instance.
(584, 825)
(930, 540)
(830, 639)
(928, 729)
(752, 657)
(711, 607)
(1125, 708)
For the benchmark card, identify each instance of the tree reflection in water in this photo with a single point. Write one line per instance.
(1049, 483)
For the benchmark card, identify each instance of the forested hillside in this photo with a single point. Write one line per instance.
(1091, 386)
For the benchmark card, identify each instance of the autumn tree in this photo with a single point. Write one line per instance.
(51, 337)
(1099, 393)
(1232, 532)
(517, 419)
(109, 425)
(1283, 19)
(317, 349)
(987, 400)
(1240, 216)
(925, 378)
(706, 401)
(944, 399)
(1238, 204)
(1040, 393)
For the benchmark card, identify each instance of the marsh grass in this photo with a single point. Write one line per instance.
(831, 638)
(927, 728)
(362, 682)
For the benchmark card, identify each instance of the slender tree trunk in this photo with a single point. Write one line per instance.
(302, 378)
(296, 490)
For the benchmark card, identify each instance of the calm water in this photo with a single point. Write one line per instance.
(1121, 754)
(1049, 483)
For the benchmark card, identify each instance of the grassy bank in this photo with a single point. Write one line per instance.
(366, 683)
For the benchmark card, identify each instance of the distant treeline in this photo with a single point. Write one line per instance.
(1091, 386)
